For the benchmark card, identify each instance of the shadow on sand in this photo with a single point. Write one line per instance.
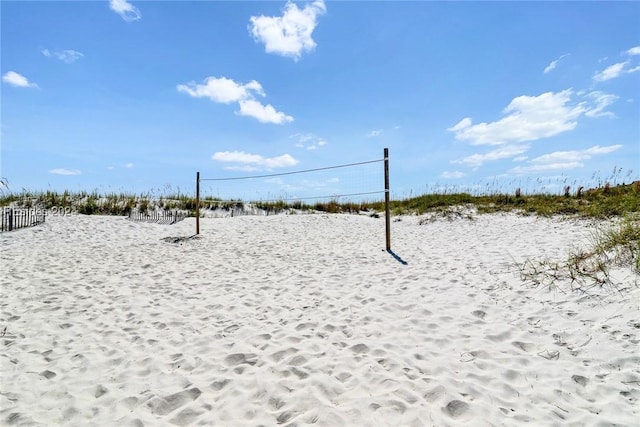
(400, 260)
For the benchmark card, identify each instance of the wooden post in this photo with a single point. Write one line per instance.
(10, 219)
(386, 198)
(197, 202)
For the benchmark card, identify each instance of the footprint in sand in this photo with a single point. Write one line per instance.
(168, 404)
(279, 355)
(100, 391)
(276, 403)
(185, 417)
(299, 373)
(241, 358)
(285, 416)
(407, 396)
(129, 402)
(360, 348)
(329, 327)
(343, 376)
(479, 314)
(219, 385)
(298, 360)
(48, 374)
(303, 326)
(265, 337)
(579, 379)
(434, 394)
(456, 408)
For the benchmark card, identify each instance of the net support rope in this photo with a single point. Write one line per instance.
(292, 173)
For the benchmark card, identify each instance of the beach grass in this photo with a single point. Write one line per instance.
(612, 248)
(605, 201)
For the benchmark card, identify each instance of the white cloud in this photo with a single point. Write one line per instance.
(600, 101)
(67, 56)
(225, 91)
(553, 64)
(303, 137)
(63, 171)
(453, 175)
(374, 133)
(263, 113)
(254, 160)
(222, 90)
(611, 72)
(308, 141)
(477, 160)
(461, 125)
(126, 10)
(545, 167)
(290, 34)
(529, 118)
(564, 160)
(575, 155)
(620, 68)
(129, 166)
(14, 79)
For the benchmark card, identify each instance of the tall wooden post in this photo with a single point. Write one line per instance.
(386, 198)
(197, 203)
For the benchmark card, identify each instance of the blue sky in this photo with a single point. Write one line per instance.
(138, 96)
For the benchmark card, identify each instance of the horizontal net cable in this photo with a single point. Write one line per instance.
(292, 173)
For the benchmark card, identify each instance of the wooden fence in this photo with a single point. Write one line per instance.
(159, 217)
(16, 218)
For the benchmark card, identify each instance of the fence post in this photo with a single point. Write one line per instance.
(197, 202)
(10, 219)
(386, 199)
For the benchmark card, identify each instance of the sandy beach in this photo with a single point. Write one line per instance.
(299, 320)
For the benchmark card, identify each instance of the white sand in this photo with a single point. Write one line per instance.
(306, 320)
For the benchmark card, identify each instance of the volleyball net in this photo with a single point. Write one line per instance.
(357, 182)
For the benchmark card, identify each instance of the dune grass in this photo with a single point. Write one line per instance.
(610, 262)
(602, 202)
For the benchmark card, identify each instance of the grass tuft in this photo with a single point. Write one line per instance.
(613, 254)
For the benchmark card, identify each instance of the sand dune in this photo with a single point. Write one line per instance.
(306, 320)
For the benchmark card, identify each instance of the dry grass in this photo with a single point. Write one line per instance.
(611, 262)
